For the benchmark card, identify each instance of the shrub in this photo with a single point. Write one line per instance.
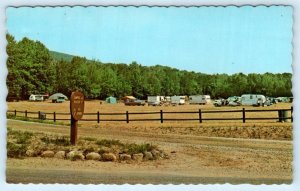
(16, 150)
(22, 137)
(109, 143)
(60, 141)
(134, 148)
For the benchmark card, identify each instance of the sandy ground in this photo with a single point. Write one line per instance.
(193, 159)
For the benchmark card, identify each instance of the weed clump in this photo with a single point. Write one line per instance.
(16, 150)
(135, 148)
(21, 140)
(60, 141)
(109, 143)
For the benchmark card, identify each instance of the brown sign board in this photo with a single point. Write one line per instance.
(77, 105)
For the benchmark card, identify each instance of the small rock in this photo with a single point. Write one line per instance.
(75, 155)
(93, 156)
(60, 155)
(30, 153)
(109, 157)
(47, 154)
(138, 157)
(164, 155)
(155, 153)
(125, 157)
(173, 152)
(148, 156)
(70, 154)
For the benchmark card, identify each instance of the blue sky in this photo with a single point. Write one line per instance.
(202, 39)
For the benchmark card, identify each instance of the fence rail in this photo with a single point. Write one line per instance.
(160, 115)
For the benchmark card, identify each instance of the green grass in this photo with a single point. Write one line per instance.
(21, 118)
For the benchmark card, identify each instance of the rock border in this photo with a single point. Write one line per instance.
(77, 155)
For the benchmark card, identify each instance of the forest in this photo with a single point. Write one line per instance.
(34, 69)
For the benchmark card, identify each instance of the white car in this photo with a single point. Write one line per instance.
(233, 103)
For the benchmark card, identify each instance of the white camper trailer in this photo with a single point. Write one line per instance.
(253, 99)
(36, 97)
(199, 99)
(178, 100)
(155, 100)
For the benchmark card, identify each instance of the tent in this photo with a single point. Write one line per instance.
(57, 95)
(111, 99)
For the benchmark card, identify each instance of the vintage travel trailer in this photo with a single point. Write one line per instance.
(199, 99)
(178, 100)
(253, 99)
(155, 100)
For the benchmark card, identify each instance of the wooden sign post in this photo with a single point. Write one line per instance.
(76, 110)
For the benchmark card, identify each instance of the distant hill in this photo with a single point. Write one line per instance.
(61, 56)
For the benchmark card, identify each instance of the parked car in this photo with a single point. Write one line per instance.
(36, 98)
(268, 102)
(234, 103)
(59, 99)
(220, 102)
(134, 102)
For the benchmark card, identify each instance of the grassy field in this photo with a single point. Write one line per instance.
(210, 152)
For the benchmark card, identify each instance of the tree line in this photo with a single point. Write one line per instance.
(33, 70)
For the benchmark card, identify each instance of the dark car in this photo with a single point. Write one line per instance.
(134, 102)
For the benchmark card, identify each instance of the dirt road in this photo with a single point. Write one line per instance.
(193, 159)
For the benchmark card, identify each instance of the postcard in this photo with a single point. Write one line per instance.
(149, 95)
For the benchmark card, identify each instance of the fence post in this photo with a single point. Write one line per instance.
(15, 113)
(54, 116)
(127, 117)
(244, 115)
(25, 113)
(200, 116)
(161, 116)
(39, 113)
(98, 117)
(292, 114)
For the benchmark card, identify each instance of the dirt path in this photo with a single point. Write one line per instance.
(194, 159)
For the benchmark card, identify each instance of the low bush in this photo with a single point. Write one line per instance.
(22, 137)
(135, 148)
(16, 150)
(60, 141)
(109, 143)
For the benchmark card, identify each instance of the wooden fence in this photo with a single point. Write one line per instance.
(282, 115)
